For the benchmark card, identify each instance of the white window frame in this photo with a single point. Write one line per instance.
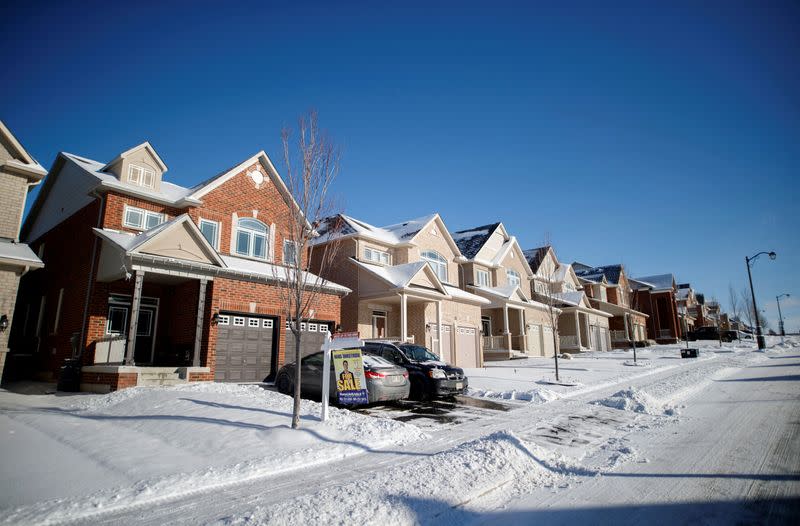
(216, 224)
(124, 319)
(266, 324)
(287, 242)
(513, 277)
(223, 319)
(145, 215)
(141, 176)
(483, 278)
(238, 321)
(378, 256)
(253, 322)
(252, 233)
(438, 263)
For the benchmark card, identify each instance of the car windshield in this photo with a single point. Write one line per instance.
(418, 353)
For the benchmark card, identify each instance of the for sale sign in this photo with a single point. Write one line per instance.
(351, 384)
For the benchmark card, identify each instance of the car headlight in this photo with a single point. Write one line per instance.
(436, 373)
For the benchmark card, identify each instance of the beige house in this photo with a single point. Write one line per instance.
(19, 172)
(404, 279)
(512, 324)
(581, 327)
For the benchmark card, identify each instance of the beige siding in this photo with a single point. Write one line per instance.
(178, 243)
(140, 157)
(13, 189)
(425, 240)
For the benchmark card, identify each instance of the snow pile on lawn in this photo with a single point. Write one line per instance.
(637, 401)
(142, 445)
(535, 396)
(440, 488)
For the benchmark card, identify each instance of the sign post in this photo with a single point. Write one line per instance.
(344, 340)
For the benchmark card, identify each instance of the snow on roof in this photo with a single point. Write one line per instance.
(270, 270)
(168, 191)
(456, 292)
(682, 294)
(472, 240)
(130, 242)
(535, 256)
(19, 253)
(561, 273)
(391, 235)
(570, 298)
(408, 229)
(611, 272)
(397, 275)
(659, 281)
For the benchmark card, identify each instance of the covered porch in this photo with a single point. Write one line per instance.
(573, 330)
(504, 323)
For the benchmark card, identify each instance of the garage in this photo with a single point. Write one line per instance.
(246, 346)
(446, 342)
(547, 341)
(314, 333)
(466, 347)
(534, 340)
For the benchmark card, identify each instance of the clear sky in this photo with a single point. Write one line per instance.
(666, 138)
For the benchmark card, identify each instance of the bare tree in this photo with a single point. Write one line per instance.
(747, 308)
(733, 299)
(548, 294)
(311, 165)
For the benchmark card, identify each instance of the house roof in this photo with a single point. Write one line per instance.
(25, 162)
(147, 146)
(18, 254)
(471, 241)
(535, 256)
(659, 281)
(611, 272)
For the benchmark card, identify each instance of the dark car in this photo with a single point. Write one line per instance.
(711, 333)
(429, 376)
(385, 380)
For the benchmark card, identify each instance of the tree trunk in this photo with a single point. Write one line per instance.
(296, 408)
(556, 350)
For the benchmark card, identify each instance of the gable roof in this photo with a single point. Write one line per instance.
(25, 162)
(145, 145)
(659, 281)
(471, 240)
(535, 256)
(611, 272)
(401, 276)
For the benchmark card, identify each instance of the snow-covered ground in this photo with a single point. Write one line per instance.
(710, 440)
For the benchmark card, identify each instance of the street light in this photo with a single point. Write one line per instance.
(780, 316)
(749, 261)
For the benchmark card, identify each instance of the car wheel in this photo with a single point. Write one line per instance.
(418, 390)
(284, 384)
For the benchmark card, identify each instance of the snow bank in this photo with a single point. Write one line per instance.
(635, 400)
(534, 396)
(439, 488)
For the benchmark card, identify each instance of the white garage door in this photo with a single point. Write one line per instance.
(534, 340)
(466, 347)
(446, 342)
(547, 341)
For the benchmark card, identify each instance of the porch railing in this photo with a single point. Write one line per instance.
(410, 338)
(518, 342)
(568, 342)
(494, 342)
(619, 336)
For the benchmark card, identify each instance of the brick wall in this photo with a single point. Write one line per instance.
(13, 189)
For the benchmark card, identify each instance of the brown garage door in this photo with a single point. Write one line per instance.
(245, 347)
(310, 342)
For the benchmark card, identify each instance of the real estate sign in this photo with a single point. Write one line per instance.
(351, 384)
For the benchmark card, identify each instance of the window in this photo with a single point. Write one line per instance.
(437, 263)
(238, 321)
(513, 277)
(541, 288)
(379, 256)
(289, 252)
(267, 324)
(117, 319)
(210, 230)
(483, 278)
(251, 238)
(253, 322)
(141, 176)
(223, 319)
(141, 219)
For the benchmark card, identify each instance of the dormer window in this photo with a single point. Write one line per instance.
(141, 176)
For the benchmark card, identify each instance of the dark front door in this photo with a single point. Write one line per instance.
(145, 335)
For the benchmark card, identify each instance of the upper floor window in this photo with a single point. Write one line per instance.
(210, 230)
(251, 238)
(513, 277)
(541, 288)
(437, 262)
(569, 287)
(141, 219)
(289, 252)
(370, 254)
(482, 278)
(141, 176)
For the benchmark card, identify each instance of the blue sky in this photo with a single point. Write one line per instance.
(665, 138)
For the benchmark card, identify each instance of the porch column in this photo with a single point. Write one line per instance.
(506, 331)
(625, 320)
(403, 317)
(439, 328)
(578, 328)
(133, 324)
(198, 331)
(523, 329)
(588, 332)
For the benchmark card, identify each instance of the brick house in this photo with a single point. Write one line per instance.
(159, 283)
(512, 324)
(609, 290)
(404, 279)
(19, 172)
(656, 297)
(581, 327)
(688, 307)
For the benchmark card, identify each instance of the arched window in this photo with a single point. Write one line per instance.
(251, 238)
(437, 263)
(513, 277)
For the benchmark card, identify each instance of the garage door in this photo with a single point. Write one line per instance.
(466, 347)
(313, 337)
(604, 340)
(446, 341)
(534, 340)
(245, 348)
(547, 341)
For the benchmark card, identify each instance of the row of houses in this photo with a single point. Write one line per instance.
(148, 282)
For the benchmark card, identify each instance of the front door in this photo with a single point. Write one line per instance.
(378, 324)
(145, 335)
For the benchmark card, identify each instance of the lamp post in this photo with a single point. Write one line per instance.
(749, 260)
(780, 316)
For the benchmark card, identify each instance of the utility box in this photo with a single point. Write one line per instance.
(689, 353)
